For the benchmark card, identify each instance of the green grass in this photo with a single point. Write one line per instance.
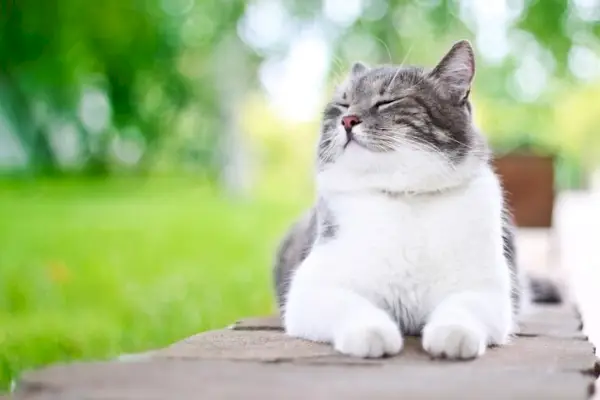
(89, 270)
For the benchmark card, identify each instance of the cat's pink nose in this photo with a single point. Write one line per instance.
(349, 121)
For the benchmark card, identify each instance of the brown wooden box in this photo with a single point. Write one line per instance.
(528, 181)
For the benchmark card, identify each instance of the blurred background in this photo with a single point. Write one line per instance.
(153, 151)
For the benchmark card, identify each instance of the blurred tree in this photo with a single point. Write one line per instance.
(123, 55)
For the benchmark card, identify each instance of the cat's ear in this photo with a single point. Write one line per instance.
(358, 68)
(454, 73)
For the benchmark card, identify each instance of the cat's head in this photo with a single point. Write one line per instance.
(401, 128)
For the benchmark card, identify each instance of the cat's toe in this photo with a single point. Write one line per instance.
(453, 341)
(369, 340)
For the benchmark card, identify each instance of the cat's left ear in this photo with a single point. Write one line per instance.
(358, 68)
(454, 73)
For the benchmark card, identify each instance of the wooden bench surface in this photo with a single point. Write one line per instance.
(551, 359)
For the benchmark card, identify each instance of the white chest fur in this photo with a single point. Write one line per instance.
(405, 254)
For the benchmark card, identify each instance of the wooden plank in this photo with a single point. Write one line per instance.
(255, 359)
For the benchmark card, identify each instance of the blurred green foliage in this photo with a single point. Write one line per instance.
(52, 51)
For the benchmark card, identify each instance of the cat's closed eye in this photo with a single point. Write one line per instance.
(341, 105)
(382, 103)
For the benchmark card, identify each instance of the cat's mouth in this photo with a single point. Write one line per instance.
(350, 138)
(355, 142)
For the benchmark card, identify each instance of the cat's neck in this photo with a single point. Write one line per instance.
(400, 184)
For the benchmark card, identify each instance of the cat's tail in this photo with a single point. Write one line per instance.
(544, 291)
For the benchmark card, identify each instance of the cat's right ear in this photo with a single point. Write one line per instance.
(454, 73)
(358, 68)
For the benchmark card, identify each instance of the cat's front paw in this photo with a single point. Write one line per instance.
(453, 341)
(369, 339)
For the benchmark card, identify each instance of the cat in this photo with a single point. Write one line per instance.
(409, 233)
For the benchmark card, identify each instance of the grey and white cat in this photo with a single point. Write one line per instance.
(409, 234)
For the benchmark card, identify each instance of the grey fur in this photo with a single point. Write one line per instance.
(331, 118)
(432, 108)
(510, 253)
(358, 68)
(544, 290)
(327, 226)
(293, 249)
(541, 290)
(317, 225)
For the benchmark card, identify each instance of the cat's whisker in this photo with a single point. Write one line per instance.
(407, 55)
(392, 80)
(399, 68)
(338, 69)
(386, 47)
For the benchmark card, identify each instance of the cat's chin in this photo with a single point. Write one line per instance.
(360, 170)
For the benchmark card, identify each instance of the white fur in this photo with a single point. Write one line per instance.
(428, 259)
